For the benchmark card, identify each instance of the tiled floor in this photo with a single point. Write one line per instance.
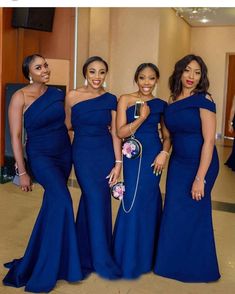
(18, 212)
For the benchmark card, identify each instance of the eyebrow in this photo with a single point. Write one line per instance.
(191, 67)
(95, 69)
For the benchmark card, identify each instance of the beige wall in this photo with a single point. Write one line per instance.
(134, 39)
(212, 44)
(174, 43)
(126, 37)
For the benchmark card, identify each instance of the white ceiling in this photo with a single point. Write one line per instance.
(218, 17)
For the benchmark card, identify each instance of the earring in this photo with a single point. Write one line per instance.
(104, 84)
(85, 82)
(30, 80)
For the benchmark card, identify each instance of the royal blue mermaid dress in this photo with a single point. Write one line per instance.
(52, 252)
(136, 232)
(186, 246)
(93, 158)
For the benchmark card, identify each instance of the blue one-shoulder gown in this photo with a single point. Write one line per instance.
(186, 247)
(93, 158)
(52, 252)
(135, 233)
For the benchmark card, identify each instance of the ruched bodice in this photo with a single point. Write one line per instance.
(92, 117)
(182, 118)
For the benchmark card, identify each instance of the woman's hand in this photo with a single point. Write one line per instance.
(159, 163)
(114, 174)
(198, 189)
(25, 183)
(230, 129)
(144, 110)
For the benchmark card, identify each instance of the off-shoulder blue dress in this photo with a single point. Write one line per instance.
(93, 158)
(136, 232)
(186, 247)
(52, 252)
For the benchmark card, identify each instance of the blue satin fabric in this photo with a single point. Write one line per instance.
(52, 252)
(186, 247)
(135, 233)
(93, 158)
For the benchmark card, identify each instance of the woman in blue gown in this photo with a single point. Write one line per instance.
(186, 247)
(231, 128)
(52, 252)
(91, 112)
(138, 220)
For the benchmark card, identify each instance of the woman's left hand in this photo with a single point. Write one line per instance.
(198, 189)
(159, 163)
(114, 175)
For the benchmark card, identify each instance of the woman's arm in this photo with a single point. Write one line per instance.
(231, 116)
(68, 103)
(161, 159)
(15, 114)
(208, 120)
(123, 129)
(115, 172)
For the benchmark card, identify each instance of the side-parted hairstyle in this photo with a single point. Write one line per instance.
(142, 66)
(92, 59)
(26, 62)
(175, 83)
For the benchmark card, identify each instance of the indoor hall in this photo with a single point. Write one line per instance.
(114, 34)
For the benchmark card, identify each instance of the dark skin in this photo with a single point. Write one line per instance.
(146, 82)
(20, 101)
(192, 74)
(96, 74)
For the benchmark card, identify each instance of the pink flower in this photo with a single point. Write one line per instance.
(127, 149)
(118, 191)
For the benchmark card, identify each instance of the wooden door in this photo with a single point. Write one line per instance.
(230, 92)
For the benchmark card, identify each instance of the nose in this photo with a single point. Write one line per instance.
(191, 74)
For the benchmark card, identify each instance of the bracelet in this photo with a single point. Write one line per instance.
(165, 152)
(23, 173)
(198, 179)
(130, 128)
(118, 161)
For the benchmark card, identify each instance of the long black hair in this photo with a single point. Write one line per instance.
(142, 66)
(26, 62)
(92, 59)
(175, 83)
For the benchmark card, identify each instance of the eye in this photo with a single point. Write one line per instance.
(141, 78)
(103, 72)
(38, 67)
(198, 73)
(152, 78)
(186, 70)
(46, 65)
(91, 71)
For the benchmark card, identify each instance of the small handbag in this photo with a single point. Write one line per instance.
(117, 190)
(16, 180)
(131, 147)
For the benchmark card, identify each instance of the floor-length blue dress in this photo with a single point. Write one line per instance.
(93, 158)
(186, 247)
(52, 252)
(136, 232)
